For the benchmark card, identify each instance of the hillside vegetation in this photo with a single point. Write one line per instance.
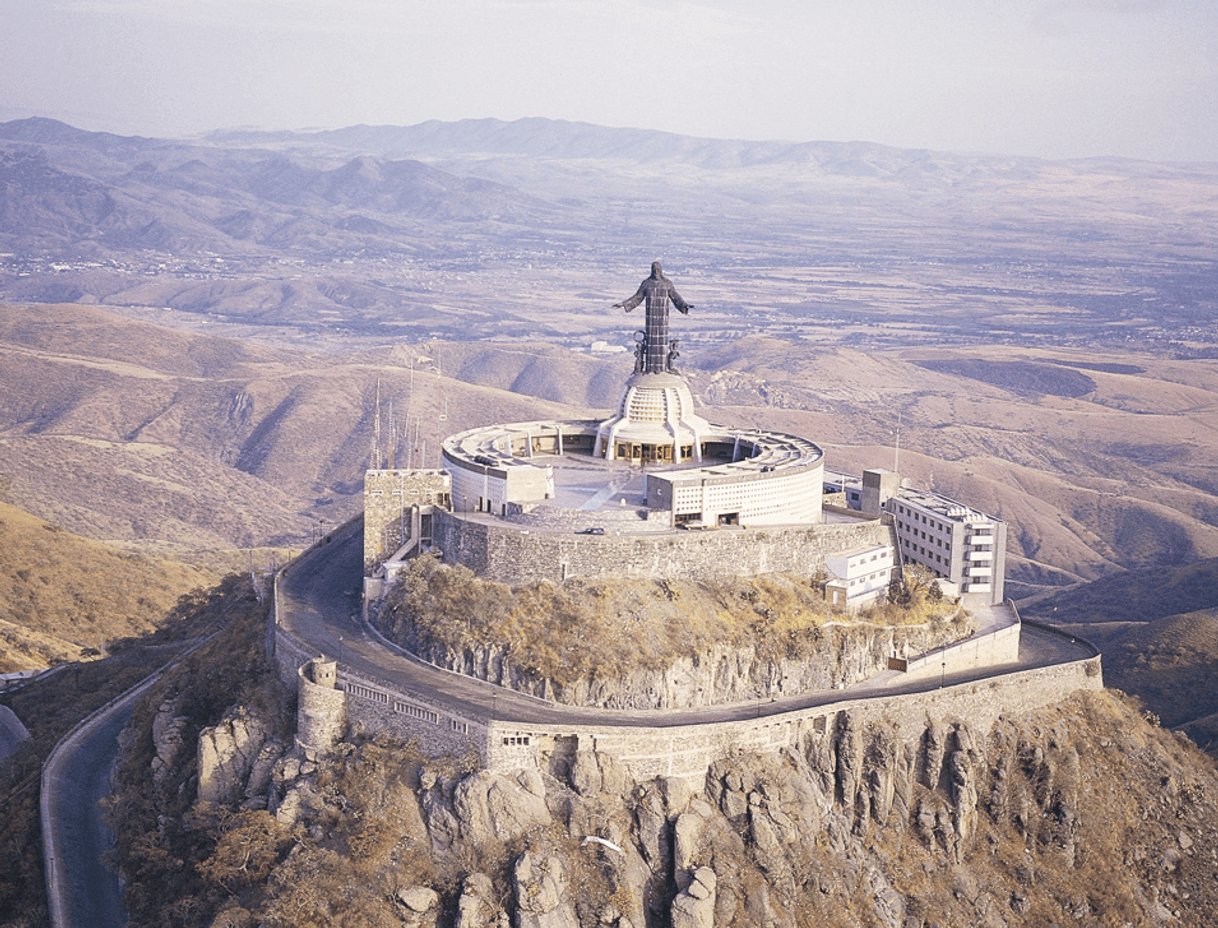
(1084, 813)
(1158, 630)
(63, 596)
(632, 643)
(50, 706)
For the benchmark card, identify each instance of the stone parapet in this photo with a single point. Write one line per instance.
(445, 727)
(687, 751)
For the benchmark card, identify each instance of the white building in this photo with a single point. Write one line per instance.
(859, 576)
(956, 542)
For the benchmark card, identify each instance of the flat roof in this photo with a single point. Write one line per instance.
(943, 506)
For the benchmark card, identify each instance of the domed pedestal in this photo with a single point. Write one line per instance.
(655, 422)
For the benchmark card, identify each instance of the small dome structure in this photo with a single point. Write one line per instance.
(655, 422)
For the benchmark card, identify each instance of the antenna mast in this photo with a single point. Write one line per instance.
(376, 429)
(896, 454)
(393, 438)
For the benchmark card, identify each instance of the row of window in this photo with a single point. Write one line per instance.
(418, 712)
(366, 693)
(881, 577)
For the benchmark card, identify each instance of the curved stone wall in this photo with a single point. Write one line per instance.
(441, 727)
(320, 711)
(506, 554)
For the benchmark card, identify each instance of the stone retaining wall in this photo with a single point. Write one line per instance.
(992, 650)
(507, 554)
(687, 751)
(441, 728)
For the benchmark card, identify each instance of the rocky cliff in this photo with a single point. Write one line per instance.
(1084, 814)
(654, 645)
(843, 654)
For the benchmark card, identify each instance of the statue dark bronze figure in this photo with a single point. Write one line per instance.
(670, 364)
(657, 290)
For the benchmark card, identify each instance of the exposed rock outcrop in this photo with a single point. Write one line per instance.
(694, 906)
(168, 738)
(860, 822)
(488, 805)
(419, 906)
(541, 893)
(227, 754)
(839, 653)
(477, 907)
(845, 655)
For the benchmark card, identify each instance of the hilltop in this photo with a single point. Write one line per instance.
(1083, 813)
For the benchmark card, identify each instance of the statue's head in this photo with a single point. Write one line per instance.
(656, 271)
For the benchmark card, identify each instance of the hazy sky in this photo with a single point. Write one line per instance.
(1057, 78)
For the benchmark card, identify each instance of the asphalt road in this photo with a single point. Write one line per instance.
(320, 595)
(90, 892)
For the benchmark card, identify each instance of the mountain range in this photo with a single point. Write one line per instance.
(195, 331)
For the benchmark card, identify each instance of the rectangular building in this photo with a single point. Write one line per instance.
(859, 576)
(955, 542)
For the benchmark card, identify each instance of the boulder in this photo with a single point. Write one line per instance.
(694, 907)
(541, 893)
(261, 772)
(477, 907)
(687, 839)
(418, 906)
(168, 737)
(227, 754)
(489, 805)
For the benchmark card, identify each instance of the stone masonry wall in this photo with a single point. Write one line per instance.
(388, 495)
(441, 728)
(687, 751)
(320, 708)
(507, 554)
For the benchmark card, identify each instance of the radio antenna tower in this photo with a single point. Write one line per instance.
(896, 454)
(393, 438)
(376, 429)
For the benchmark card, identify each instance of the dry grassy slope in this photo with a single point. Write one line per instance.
(202, 443)
(1158, 630)
(266, 441)
(538, 370)
(60, 592)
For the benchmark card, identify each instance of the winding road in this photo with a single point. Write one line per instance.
(320, 605)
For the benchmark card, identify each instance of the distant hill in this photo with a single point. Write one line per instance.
(125, 430)
(1143, 595)
(190, 443)
(1158, 630)
(561, 139)
(61, 594)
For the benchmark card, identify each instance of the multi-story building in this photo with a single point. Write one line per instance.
(859, 576)
(958, 544)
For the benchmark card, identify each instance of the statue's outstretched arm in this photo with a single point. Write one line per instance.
(681, 305)
(632, 302)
